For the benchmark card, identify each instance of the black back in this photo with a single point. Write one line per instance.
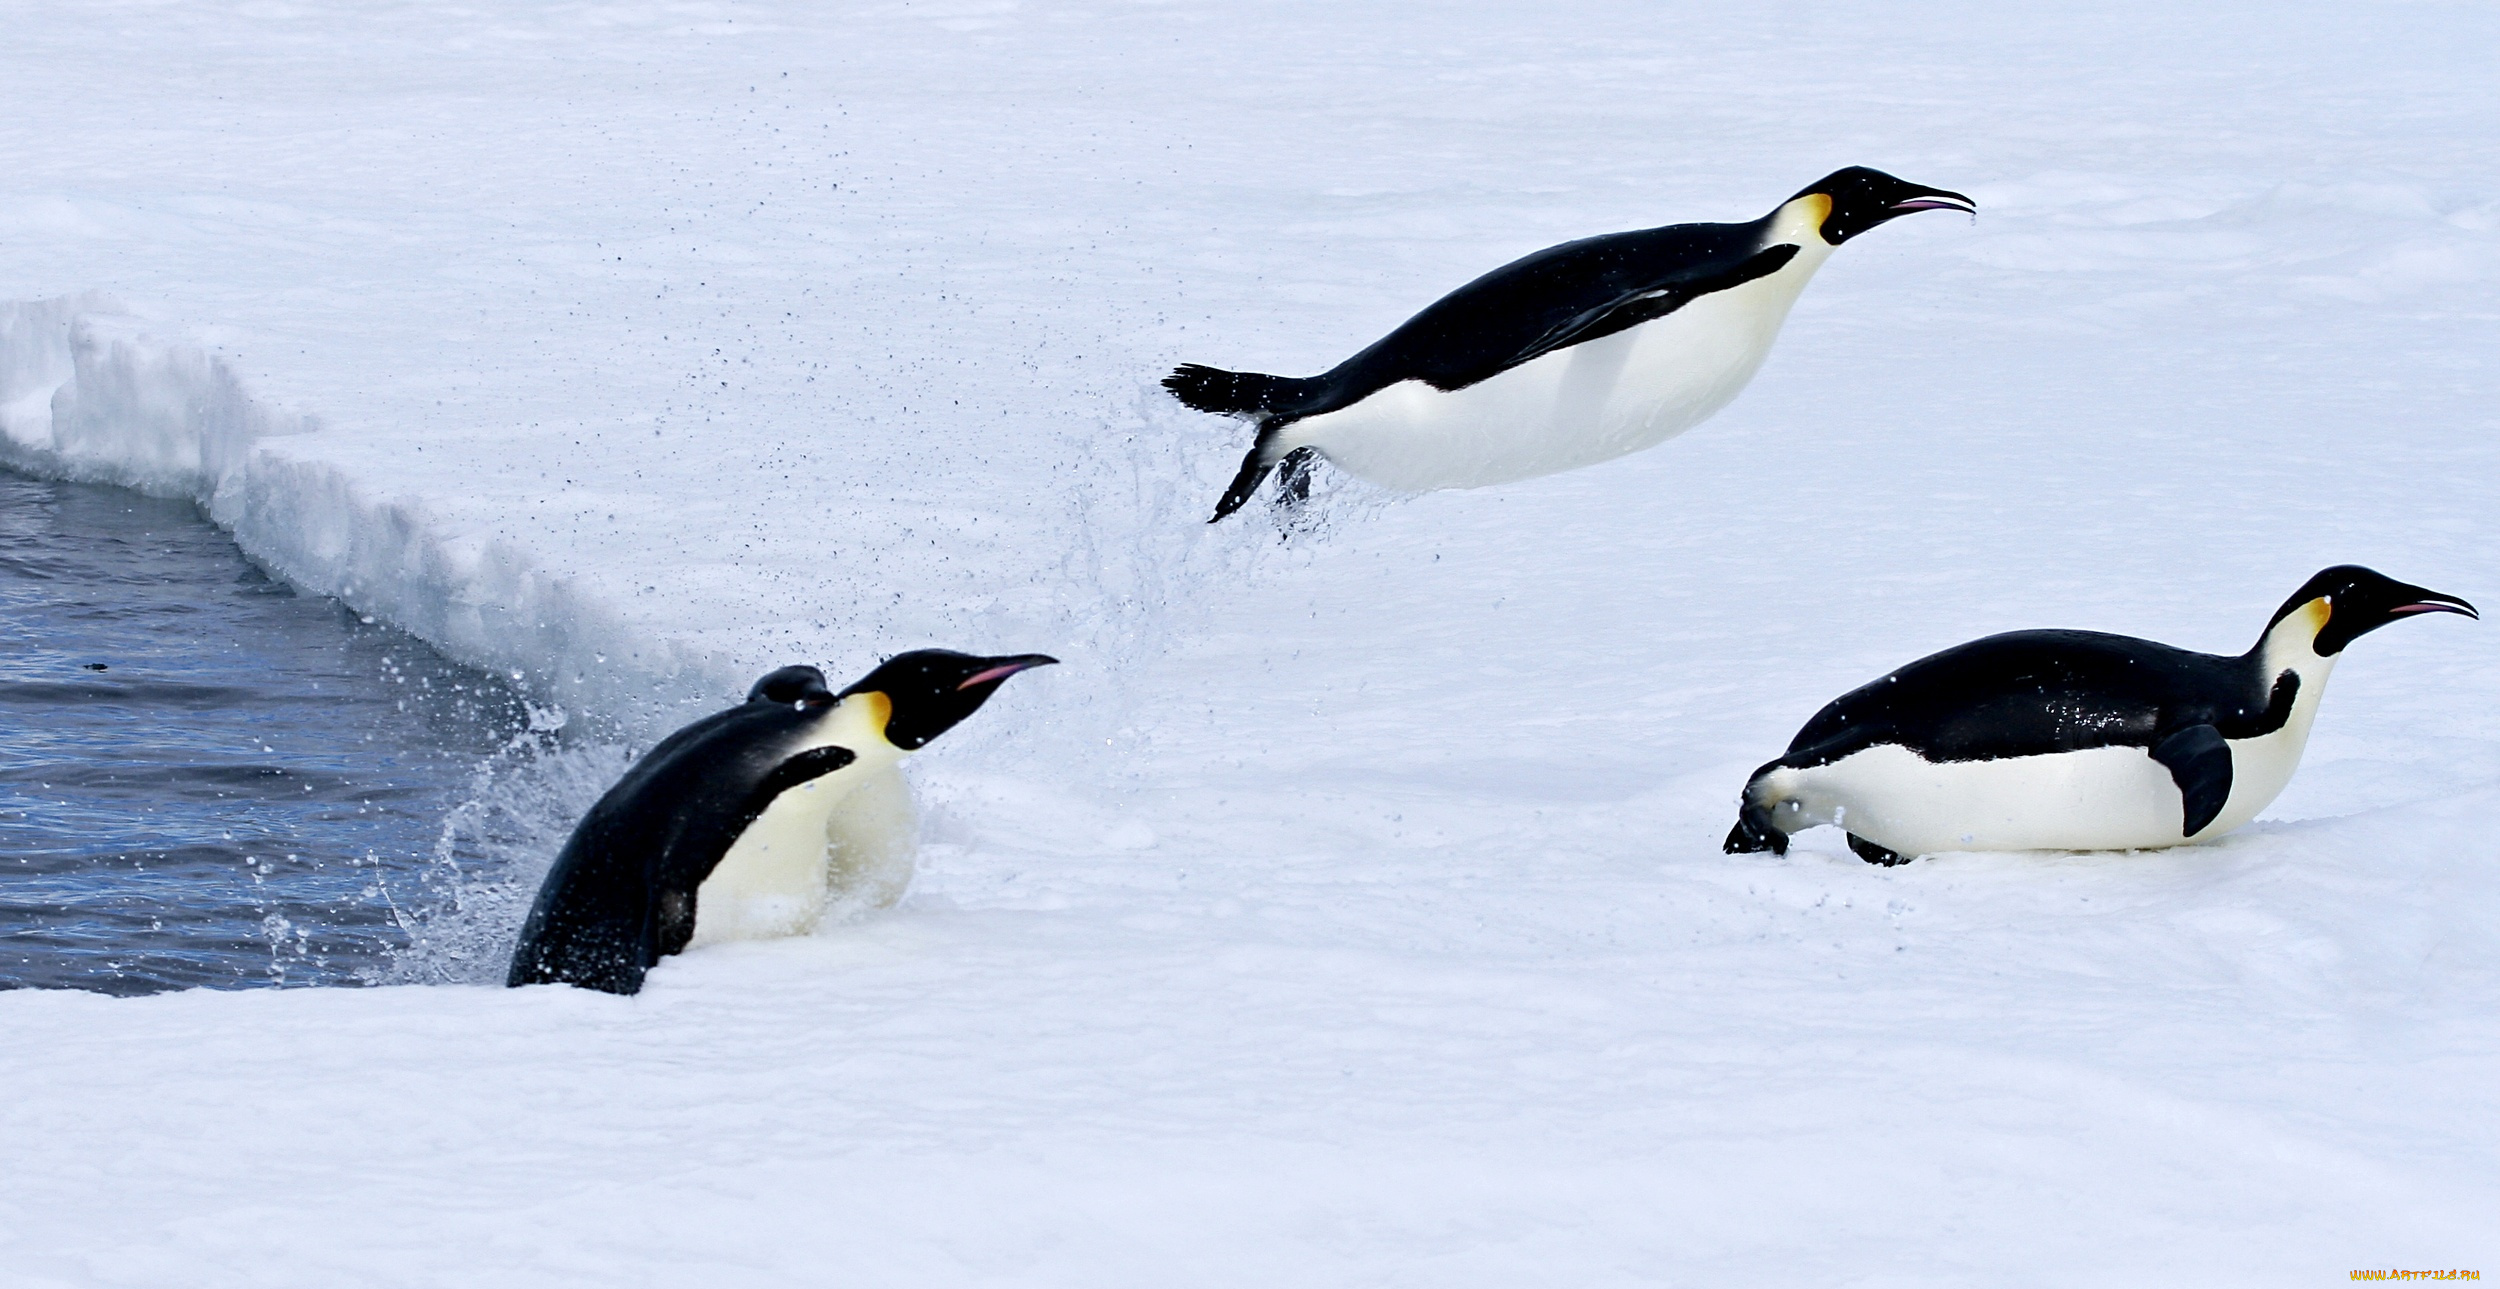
(1558, 297)
(2032, 693)
(621, 896)
(2027, 693)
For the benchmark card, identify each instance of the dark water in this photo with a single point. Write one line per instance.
(206, 778)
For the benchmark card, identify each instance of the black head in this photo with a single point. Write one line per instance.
(931, 689)
(792, 686)
(2355, 601)
(1862, 198)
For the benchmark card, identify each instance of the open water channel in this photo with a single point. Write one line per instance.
(207, 778)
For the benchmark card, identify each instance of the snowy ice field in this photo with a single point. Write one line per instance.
(1348, 909)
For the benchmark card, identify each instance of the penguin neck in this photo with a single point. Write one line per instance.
(2291, 645)
(858, 723)
(1799, 223)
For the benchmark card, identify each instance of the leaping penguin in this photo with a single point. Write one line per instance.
(2070, 740)
(747, 823)
(1577, 354)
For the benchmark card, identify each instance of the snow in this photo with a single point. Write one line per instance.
(1348, 908)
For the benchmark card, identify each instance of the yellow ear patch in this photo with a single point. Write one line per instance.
(878, 708)
(2316, 613)
(1818, 207)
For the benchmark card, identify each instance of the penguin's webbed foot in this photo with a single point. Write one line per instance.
(1291, 506)
(1293, 478)
(1874, 854)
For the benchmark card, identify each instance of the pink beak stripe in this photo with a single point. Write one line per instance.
(2434, 608)
(995, 673)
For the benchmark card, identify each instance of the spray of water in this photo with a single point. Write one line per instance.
(1141, 572)
(464, 911)
(1144, 568)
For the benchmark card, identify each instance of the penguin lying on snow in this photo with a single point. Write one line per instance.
(2070, 740)
(1577, 354)
(733, 827)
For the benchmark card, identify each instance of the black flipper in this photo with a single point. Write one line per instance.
(1254, 468)
(814, 763)
(2199, 761)
(672, 926)
(1632, 309)
(621, 895)
(1293, 478)
(1874, 854)
(676, 908)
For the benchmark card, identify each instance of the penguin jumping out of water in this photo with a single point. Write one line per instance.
(1577, 354)
(747, 823)
(2070, 740)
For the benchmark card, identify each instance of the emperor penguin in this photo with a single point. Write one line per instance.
(1576, 354)
(2071, 740)
(750, 823)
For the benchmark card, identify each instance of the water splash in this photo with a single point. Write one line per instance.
(463, 911)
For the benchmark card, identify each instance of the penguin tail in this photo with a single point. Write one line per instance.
(1272, 401)
(1233, 393)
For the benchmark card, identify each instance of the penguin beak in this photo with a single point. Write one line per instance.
(1934, 199)
(2434, 602)
(1001, 668)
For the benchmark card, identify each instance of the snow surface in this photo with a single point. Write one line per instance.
(1349, 909)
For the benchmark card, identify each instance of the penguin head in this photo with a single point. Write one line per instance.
(1861, 199)
(2346, 602)
(929, 690)
(792, 687)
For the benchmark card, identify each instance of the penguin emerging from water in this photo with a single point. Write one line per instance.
(1577, 354)
(748, 823)
(2070, 740)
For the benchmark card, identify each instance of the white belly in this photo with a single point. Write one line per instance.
(832, 846)
(1591, 402)
(2110, 798)
(2262, 767)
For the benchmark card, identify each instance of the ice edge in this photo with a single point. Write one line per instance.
(88, 394)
